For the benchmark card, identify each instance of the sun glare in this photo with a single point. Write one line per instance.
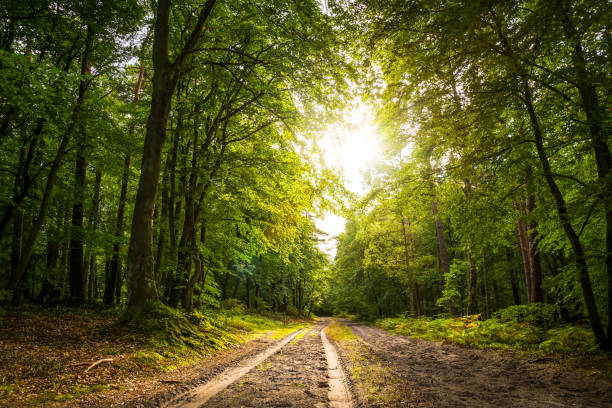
(352, 148)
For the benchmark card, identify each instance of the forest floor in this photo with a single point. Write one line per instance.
(44, 360)
(46, 355)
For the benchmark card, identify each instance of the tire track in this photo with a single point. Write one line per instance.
(339, 394)
(201, 394)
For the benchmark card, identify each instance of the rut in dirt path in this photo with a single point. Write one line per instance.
(295, 372)
(451, 376)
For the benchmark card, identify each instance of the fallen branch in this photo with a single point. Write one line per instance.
(170, 381)
(104, 360)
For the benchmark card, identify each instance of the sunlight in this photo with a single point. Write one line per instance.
(352, 148)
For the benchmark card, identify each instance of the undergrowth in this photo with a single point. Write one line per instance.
(40, 364)
(534, 329)
(174, 338)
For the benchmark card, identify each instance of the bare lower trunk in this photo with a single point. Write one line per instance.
(596, 117)
(78, 277)
(142, 285)
(524, 248)
(94, 220)
(412, 285)
(115, 263)
(485, 285)
(579, 256)
(443, 253)
(472, 307)
(534, 255)
(28, 249)
(513, 281)
(16, 245)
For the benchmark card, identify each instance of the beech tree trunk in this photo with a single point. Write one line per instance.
(78, 275)
(472, 306)
(525, 253)
(443, 253)
(534, 255)
(94, 219)
(142, 285)
(485, 284)
(16, 246)
(513, 281)
(572, 236)
(114, 277)
(412, 284)
(579, 256)
(595, 118)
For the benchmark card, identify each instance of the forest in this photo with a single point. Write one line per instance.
(163, 158)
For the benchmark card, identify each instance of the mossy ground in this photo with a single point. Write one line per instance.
(44, 352)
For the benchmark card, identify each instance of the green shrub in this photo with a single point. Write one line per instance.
(569, 340)
(233, 306)
(533, 329)
(537, 314)
(292, 311)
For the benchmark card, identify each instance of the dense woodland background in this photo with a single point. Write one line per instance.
(165, 151)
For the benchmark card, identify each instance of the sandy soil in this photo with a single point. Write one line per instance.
(296, 376)
(436, 375)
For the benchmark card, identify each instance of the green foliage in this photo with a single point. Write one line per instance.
(233, 306)
(514, 330)
(537, 314)
(453, 285)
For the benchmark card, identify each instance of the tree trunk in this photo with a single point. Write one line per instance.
(192, 281)
(485, 284)
(417, 294)
(113, 284)
(78, 278)
(115, 264)
(579, 256)
(248, 291)
(578, 250)
(513, 281)
(77, 270)
(94, 219)
(224, 286)
(16, 246)
(595, 118)
(235, 292)
(28, 249)
(140, 269)
(472, 307)
(161, 240)
(525, 254)
(534, 255)
(443, 253)
(412, 285)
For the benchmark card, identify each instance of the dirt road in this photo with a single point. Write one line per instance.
(429, 374)
(302, 370)
(374, 369)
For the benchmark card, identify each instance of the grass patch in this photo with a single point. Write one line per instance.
(524, 333)
(300, 336)
(339, 332)
(75, 391)
(374, 382)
